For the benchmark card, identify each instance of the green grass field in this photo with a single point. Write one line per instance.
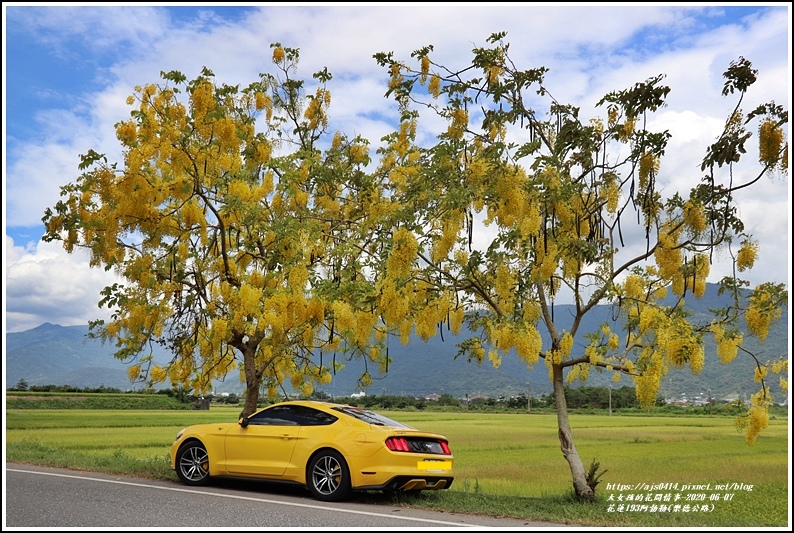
(505, 464)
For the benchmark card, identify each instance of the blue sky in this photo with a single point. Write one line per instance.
(69, 68)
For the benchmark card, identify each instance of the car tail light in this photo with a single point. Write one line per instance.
(417, 445)
(398, 444)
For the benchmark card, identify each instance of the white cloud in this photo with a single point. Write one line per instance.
(43, 283)
(590, 49)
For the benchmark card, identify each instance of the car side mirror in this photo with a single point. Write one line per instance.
(244, 421)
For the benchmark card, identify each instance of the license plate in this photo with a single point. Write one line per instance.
(434, 466)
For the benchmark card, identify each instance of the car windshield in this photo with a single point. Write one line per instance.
(370, 417)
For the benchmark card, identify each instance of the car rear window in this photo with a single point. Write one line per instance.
(370, 417)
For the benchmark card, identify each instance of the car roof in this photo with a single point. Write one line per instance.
(314, 403)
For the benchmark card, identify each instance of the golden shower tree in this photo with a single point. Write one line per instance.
(563, 199)
(222, 222)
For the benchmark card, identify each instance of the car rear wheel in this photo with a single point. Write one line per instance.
(193, 464)
(329, 477)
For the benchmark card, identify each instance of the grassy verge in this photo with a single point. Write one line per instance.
(506, 464)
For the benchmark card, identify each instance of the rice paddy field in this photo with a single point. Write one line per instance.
(655, 470)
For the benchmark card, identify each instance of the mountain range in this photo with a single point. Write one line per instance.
(63, 355)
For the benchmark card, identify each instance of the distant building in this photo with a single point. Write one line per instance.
(432, 397)
(358, 394)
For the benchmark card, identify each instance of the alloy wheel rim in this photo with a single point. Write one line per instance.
(327, 475)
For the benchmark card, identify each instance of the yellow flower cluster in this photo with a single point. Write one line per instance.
(512, 204)
(627, 129)
(647, 384)
(728, 348)
(668, 255)
(614, 341)
(396, 78)
(394, 306)
(592, 354)
(359, 154)
(495, 358)
(239, 189)
(758, 318)
(298, 277)
(745, 258)
(344, 318)
(757, 417)
(134, 372)
(547, 260)
(649, 164)
(180, 370)
(566, 344)
(456, 318)
(278, 55)
(430, 315)
(425, 69)
(612, 116)
(403, 253)
(450, 227)
(701, 273)
(695, 217)
(610, 191)
(434, 87)
(493, 73)
(578, 372)
(458, 123)
(201, 101)
(505, 287)
(126, 132)
(363, 327)
(158, 374)
(649, 319)
(770, 142)
(633, 287)
(226, 132)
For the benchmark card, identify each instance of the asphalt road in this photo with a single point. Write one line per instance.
(40, 497)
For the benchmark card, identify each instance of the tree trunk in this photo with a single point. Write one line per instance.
(580, 486)
(252, 380)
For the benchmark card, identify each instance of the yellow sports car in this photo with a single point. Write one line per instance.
(332, 449)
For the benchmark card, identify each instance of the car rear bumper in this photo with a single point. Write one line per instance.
(399, 483)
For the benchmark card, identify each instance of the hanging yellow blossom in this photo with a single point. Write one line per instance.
(770, 142)
(627, 129)
(756, 419)
(494, 358)
(695, 217)
(403, 253)
(434, 87)
(425, 69)
(566, 344)
(158, 374)
(278, 55)
(134, 372)
(456, 319)
(745, 258)
(649, 164)
(759, 319)
(458, 123)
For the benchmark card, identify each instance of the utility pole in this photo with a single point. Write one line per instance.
(709, 402)
(610, 400)
(529, 398)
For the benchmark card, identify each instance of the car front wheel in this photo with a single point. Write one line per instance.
(193, 464)
(329, 477)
